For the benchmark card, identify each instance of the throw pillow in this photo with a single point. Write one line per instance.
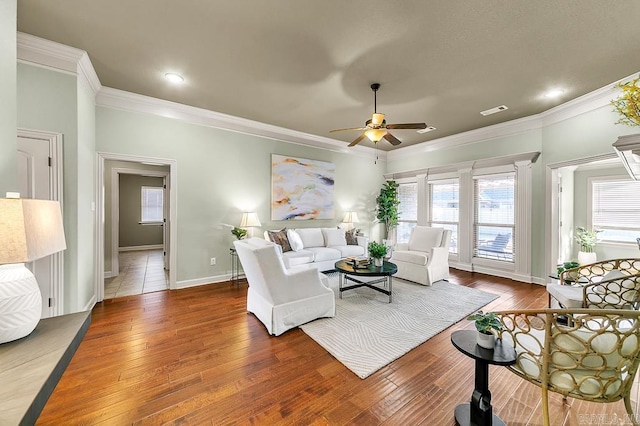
(280, 238)
(294, 240)
(350, 235)
(334, 237)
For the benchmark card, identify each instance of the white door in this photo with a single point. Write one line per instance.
(34, 181)
(166, 224)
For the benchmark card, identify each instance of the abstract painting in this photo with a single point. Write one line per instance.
(301, 189)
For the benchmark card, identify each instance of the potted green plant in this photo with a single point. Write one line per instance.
(586, 239)
(487, 324)
(377, 251)
(387, 208)
(239, 233)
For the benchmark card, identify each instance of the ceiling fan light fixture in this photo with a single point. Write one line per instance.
(377, 119)
(375, 135)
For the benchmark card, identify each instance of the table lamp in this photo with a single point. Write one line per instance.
(250, 220)
(29, 230)
(350, 218)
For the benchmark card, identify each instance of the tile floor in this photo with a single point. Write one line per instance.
(140, 272)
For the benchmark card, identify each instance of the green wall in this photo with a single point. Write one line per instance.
(221, 174)
(8, 115)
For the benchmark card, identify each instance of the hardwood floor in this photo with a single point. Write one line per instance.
(195, 356)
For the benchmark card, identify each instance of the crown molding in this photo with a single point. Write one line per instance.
(131, 102)
(58, 57)
(591, 101)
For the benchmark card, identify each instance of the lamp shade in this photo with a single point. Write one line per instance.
(375, 135)
(350, 217)
(249, 219)
(29, 229)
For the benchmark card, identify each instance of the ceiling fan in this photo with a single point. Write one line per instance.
(376, 127)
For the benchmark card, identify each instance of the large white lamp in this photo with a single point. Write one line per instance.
(350, 218)
(250, 220)
(29, 230)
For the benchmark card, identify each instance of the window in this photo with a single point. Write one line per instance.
(494, 210)
(444, 208)
(407, 211)
(615, 209)
(152, 205)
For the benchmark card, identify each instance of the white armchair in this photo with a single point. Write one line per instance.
(279, 298)
(425, 258)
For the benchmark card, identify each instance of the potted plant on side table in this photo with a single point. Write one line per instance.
(239, 233)
(487, 323)
(587, 240)
(377, 251)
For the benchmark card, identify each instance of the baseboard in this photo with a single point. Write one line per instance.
(92, 302)
(108, 274)
(203, 281)
(136, 248)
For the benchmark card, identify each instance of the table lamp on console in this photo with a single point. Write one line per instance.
(29, 230)
(249, 221)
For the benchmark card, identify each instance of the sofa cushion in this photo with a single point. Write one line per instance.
(294, 240)
(351, 237)
(311, 237)
(568, 296)
(334, 237)
(280, 238)
(350, 250)
(297, 258)
(408, 256)
(424, 238)
(323, 254)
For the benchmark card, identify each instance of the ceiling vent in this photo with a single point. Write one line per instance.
(426, 129)
(494, 110)
(628, 149)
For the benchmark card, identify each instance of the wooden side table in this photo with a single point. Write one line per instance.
(479, 411)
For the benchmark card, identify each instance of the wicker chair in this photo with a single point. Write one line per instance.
(588, 354)
(610, 284)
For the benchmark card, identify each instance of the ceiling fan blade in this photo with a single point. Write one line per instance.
(407, 126)
(357, 140)
(394, 141)
(347, 130)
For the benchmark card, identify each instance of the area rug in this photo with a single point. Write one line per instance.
(368, 333)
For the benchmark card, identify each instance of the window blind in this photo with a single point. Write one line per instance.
(407, 210)
(615, 209)
(494, 216)
(152, 204)
(444, 207)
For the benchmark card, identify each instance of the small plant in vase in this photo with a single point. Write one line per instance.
(239, 233)
(377, 251)
(487, 323)
(587, 240)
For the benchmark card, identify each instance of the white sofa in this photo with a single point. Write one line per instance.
(279, 298)
(319, 248)
(425, 258)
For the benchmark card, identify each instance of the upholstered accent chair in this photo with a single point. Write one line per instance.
(425, 258)
(588, 354)
(613, 284)
(279, 298)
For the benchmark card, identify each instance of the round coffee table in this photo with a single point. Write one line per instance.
(349, 273)
(479, 411)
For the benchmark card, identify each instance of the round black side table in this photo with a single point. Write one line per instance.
(479, 411)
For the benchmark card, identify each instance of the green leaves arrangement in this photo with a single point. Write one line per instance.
(387, 210)
(377, 250)
(586, 239)
(628, 104)
(486, 322)
(239, 232)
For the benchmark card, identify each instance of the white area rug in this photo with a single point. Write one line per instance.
(368, 333)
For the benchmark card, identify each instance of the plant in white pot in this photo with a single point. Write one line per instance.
(587, 240)
(377, 251)
(487, 324)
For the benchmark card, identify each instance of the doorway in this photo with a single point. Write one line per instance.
(108, 189)
(40, 176)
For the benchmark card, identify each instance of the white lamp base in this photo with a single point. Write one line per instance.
(20, 302)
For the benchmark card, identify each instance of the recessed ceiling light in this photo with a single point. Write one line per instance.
(426, 129)
(553, 93)
(494, 110)
(173, 77)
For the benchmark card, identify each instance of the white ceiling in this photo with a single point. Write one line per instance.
(308, 65)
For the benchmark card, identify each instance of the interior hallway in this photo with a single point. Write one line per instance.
(140, 272)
